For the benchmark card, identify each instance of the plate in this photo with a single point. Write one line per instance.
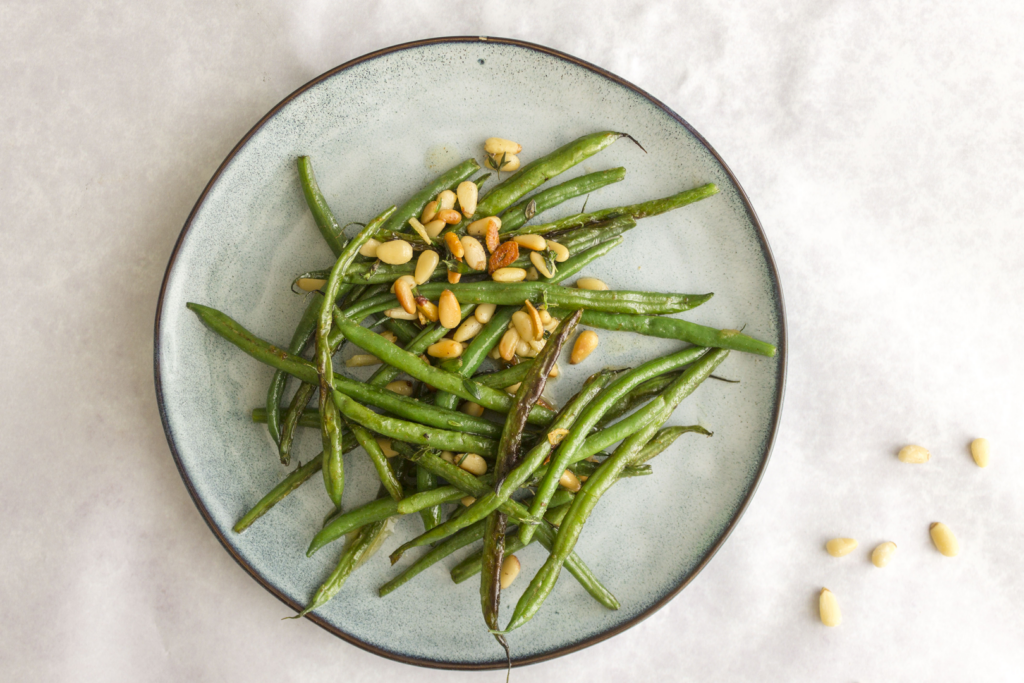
(377, 129)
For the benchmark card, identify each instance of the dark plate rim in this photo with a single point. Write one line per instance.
(573, 647)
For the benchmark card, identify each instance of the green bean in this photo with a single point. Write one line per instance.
(555, 515)
(586, 499)
(637, 211)
(683, 330)
(435, 377)
(427, 336)
(296, 408)
(539, 171)
(405, 330)
(426, 481)
(642, 393)
(662, 440)
(542, 201)
(507, 377)
(585, 468)
(322, 214)
(388, 478)
(460, 540)
(590, 416)
(303, 335)
(414, 207)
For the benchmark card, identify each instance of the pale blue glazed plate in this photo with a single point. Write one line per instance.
(377, 131)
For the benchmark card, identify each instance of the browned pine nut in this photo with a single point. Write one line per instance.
(454, 245)
(508, 275)
(362, 360)
(448, 310)
(591, 283)
(472, 463)
(561, 251)
(584, 346)
(507, 345)
(538, 262)
(446, 200)
(404, 293)
(569, 481)
(483, 312)
(469, 328)
(509, 571)
(429, 211)
(470, 408)
(449, 216)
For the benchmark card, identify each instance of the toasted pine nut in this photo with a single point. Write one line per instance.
(561, 251)
(467, 501)
(535, 242)
(434, 227)
(508, 275)
(981, 452)
(537, 344)
(555, 436)
(476, 257)
(882, 553)
(402, 387)
(446, 200)
(479, 228)
(511, 163)
(914, 454)
(828, 608)
(532, 275)
(514, 388)
(545, 317)
(421, 318)
(483, 312)
(523, 349)
(523, 325)
(944, 540)
(448, 456)
(569, 481)
(420, 230)
(427, 309)
(509, 571)
(469, 328)
(584, 346)
(472, 463)
(467, 192)
(310, 284)
(538, 262)
(535, 321)
(507, 345)
(385, 445)
(590, 283)
(555, 372)
(429, 211)
(395, 252)
(470, 408)
(500, 145)
(389, 335)
(449, 216)
(362, 360)
(425, 266)
(403, 278)
(448, 310)
(446, 348)
(399, 314)
(454, 245)
(454, 277)
(495, 353)
(370, 248)
(492, 238)
(838, 547)
(404, 293)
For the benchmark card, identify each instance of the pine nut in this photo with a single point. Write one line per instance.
(479, 228)
(538, 262)
(523, 325)
(385, 445)
(404, 293)
(555, 372)
(535, 321)
(508, 275)
(370, 248)
(427, 310)
(421, 318)
(429, 211)
(590, 283)
(448, 456)
(514, 388)
(472, 463)
(434, 227)
(476, 257)
(555, 436)
(532, 275)
(448, 310)
(362, 360)
(523, 349)
(419, 229)
(838, 547)
(469, 328)
(569, 481)
(454, 245)
(446, 348)
(507, 345)
(561, 251)
(509, 571)
(537, 344)
(553, 325)
(494, 354)
(501, 145)
(510, 163)
(446, 200)
(399, 314)
(535, 242)
(390, 336)
(449, 216)
(454, 277)
(425, 266)
(470, 408)
(483, 312)
(395, 252)
(545, 317)
(403, 278)
(310, 284)
(467, 501)
(492, 238)
(584, 346)
(914, 454)
(944, 540)
(981, 452)
(402, 387)
(828, 608)
(882, 553)
(467, 192)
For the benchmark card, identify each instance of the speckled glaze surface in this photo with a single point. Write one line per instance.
(377, 131)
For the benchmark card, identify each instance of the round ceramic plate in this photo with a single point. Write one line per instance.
(377, 129)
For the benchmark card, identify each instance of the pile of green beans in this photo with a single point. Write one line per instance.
(419, 445)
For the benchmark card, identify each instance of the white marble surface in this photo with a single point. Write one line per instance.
(882, 148)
